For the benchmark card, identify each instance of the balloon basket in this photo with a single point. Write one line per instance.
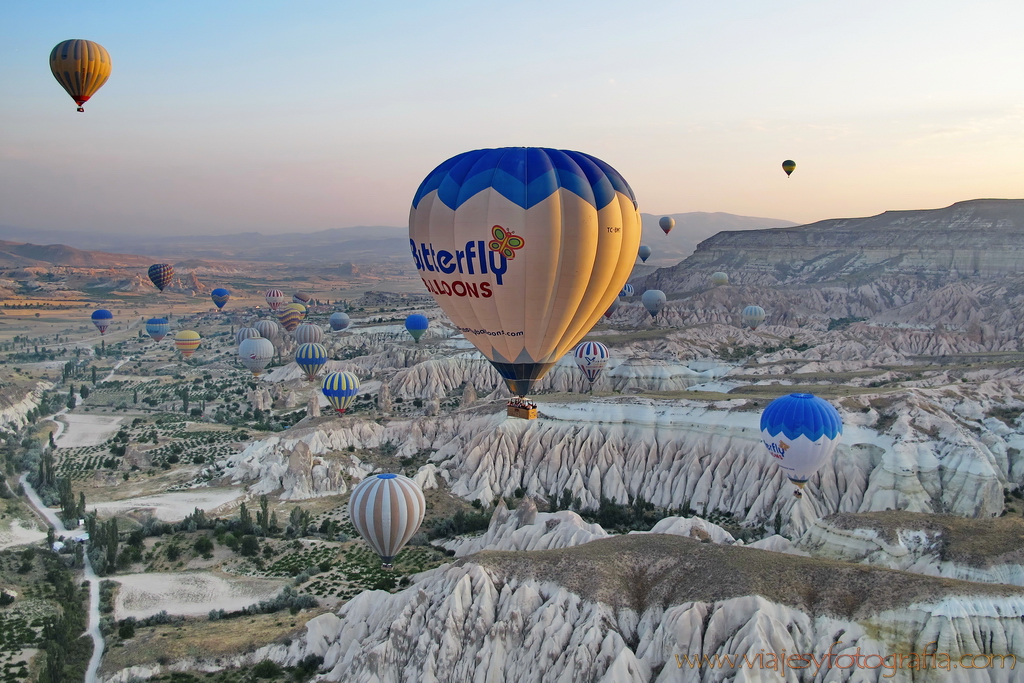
(522, 409)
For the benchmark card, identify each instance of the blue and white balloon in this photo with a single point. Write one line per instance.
(800, 432)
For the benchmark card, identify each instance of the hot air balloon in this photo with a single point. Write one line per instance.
(246, 333)
(255, 353)
(666, 223)
(644, 252)
(416, 324)
(81, 67)
(524, 249)
(275, 297)
(627, 290)
(800, 432)
(220, 296)
(308, 333)
(187, 341)
(302, 298)
(340, 388)
(339, 321)
(291, 315)
(157, 328)
(591, 357)
(752, 316)
(614, 307)
(310, 358)
(386, 510)
(718, 279)
(161, 274)
(102, 318)
(268, 329)
(789, 166)
(653, 300)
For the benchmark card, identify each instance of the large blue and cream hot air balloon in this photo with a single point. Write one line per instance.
(591, 357)
(752, 316)
(340, 388)
(416, 324)
(220, 297)
(102, 318)
(161, 274)
(386, 510)
(800, 432)
(524, 248)
(157, 328)
(311, 358)
(339, 321)
(644, 252)
(653, 300)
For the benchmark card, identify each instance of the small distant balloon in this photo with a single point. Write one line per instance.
(591, 358)
(339, 321)
(81, 67)
(187, 341)
(291, 315)
(302, 298)
(752, 316)
(627, 290)
(274, 297)
(340, 388)
(644, 252)
(718, 279)
(246, 333)
(308, 333)
(102, 318)
(667, 223)
(387, 510)
(161, 274)
(614, 307)
(653, 300)
(789, 166)
(220, 297)
(157, 328)
(311, 359)
(417, 324)
(268, 329)
(255, 353)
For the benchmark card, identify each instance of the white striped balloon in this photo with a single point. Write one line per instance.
(308, 333)
(386, 510)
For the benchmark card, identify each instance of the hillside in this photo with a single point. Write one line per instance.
(20, 254)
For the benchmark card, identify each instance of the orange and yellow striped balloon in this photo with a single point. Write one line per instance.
(81, 67)
(290, 316)
(187, 341)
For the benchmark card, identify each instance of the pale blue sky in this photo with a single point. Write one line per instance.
(302, 116)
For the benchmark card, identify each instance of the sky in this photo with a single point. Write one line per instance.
(281, 117)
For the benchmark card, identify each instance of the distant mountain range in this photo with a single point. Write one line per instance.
(22, 255)
(361, 244)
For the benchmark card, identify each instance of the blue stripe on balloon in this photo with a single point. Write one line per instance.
(797, 415)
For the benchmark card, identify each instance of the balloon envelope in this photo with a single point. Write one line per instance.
(417, 324)
(157, 328)
(340, 388)
(339, 321)
(161, 274)
(718, 279)
(220, 296)
(301, 298)
(311, 358)
(274, 297)
(653, 300)
(244, 333)
(267, 328)
(666, 223)
(386, 510)
(308, 333)
(614, 307)
(81, 67)
(800, 432)
(524, 249)
(753, 316)
(591, 357)
(102, 318)
(255, 353)
(187, 341)
(789, 166)
(644, 252)
(291, 315)
(627, 290)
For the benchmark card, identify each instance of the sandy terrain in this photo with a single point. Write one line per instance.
(19, 532)
(87, 430)
(171, 507)
(193, 594)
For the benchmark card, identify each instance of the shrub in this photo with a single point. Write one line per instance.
(266, 669)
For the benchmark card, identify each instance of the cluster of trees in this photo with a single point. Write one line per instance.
(67, 648)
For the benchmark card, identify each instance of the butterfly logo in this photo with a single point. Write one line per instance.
(505, 242)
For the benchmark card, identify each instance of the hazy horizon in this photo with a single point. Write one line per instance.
(258, 118)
